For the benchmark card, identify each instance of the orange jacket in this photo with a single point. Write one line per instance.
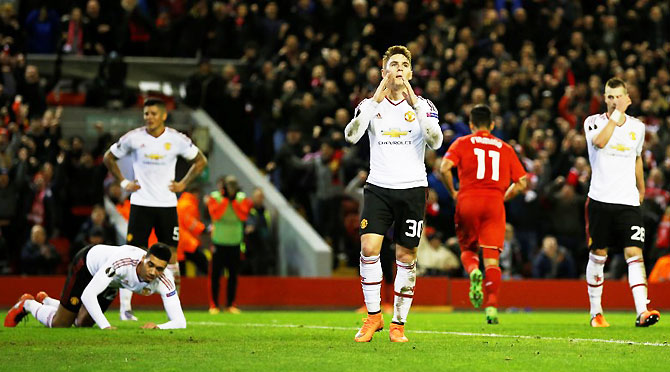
(190, 226)
(241, 208)
(661, 270)
(124, 211)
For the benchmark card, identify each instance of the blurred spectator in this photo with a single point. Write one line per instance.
(135, 28)
(434, 258)
(98, 32)
(512, 261)
(43, 31)
(73, 26)
(553, 261)
(34, 91)
(95, 230)
(39, 257)
(260, 254)
(205, 89)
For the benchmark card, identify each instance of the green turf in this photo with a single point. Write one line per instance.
(323, 341)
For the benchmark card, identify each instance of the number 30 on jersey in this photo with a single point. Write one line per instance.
(414, 228)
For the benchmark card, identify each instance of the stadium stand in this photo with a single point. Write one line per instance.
(281, 78)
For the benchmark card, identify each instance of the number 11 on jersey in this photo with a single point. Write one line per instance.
(481, 164)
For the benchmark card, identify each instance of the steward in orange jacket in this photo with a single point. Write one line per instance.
(190, 226)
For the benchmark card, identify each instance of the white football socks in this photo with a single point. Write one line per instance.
(43, 313)
(371, 281)
(51, 302)
(637, 279)
(405, 280)
(177, 275)
(594, 279)
(125, 296)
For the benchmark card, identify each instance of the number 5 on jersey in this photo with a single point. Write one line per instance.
(481, 164)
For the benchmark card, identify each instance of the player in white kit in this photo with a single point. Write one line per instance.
(613, 214)
(154, 149)
(399, 125)
(94, 277)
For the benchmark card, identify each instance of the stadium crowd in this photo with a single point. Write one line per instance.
(303, 66)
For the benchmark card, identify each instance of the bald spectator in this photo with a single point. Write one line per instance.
(39, 257)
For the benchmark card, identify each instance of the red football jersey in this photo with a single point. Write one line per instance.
(484, 163)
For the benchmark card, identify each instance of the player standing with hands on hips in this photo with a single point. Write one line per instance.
(613, 214)
(486, 165)
(399, 125)
(153, 203)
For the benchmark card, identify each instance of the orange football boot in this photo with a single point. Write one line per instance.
(371, 324)
(397, 333)
(17, 312)
(40, 296)
(647, 318)
(598, 321)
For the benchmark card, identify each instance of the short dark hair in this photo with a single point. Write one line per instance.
(154, 102)
(615, 83)
(161, 251)
(481, 116)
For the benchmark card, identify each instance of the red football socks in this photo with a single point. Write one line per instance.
(470, 260)
(492, 280)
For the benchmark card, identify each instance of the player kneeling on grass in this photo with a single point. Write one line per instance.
(94, 277)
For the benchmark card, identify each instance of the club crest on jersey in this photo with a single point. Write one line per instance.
(395, 132)
(168, 145)
(364, 223)
(129, 238)
(146, 291)
(74, 301)
(410, 116)
(632, 135)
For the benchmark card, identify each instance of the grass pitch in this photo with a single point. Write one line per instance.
(323, 341)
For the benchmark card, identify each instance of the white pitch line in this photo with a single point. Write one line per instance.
(471, 334)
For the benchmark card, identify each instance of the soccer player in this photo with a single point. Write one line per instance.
(486, 165)
(613, 214)
(399, 125)
(153, 204)
(94, 276)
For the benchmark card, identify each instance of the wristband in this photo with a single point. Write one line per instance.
(125, 184)
(616, 116)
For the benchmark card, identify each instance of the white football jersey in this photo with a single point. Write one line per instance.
(613, 166)
(397, 145)
(154, 160)
(116, 267)
(120, 264)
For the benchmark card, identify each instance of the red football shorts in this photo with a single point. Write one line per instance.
(480, 221)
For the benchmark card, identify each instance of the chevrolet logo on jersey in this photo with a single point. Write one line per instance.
(410, 116)
(395, 132)
(620, 147)
(154, 156)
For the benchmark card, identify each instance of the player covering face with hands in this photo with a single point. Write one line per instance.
(613, 212)
(400, 125)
